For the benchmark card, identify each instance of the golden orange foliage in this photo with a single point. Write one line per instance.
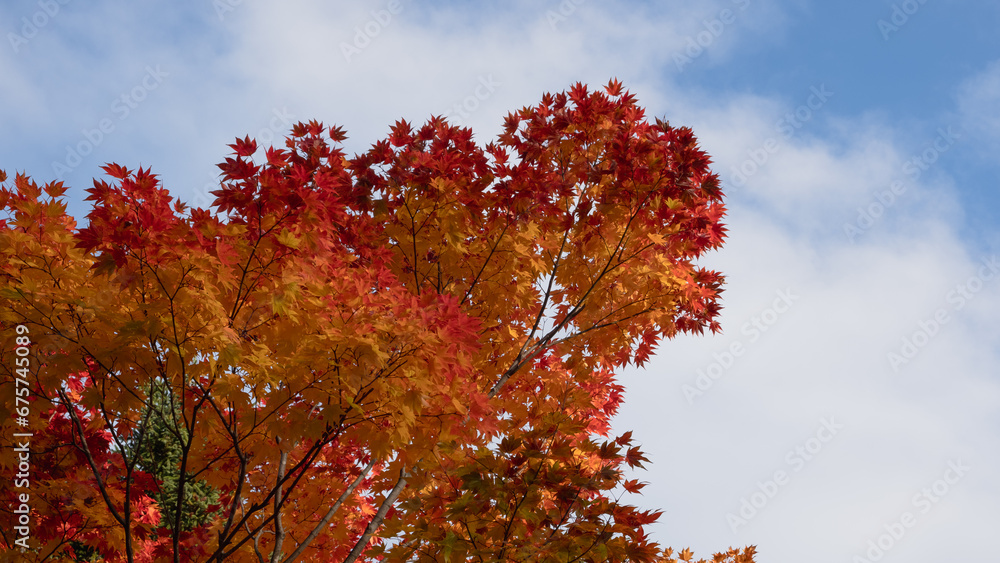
(408, 355)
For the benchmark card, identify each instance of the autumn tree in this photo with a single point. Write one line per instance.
(408, 355)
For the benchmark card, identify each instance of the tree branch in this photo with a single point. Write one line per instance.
(376, 520)
(329, 513)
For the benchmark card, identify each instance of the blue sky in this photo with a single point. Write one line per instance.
(860, 354)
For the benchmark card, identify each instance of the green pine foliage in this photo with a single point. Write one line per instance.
(159, 449)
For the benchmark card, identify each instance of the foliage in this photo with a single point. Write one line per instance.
(158, 451)
(408, 355)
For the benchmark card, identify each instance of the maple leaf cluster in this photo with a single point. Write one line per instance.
(407, 355)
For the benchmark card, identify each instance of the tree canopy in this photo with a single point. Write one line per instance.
(408, 355)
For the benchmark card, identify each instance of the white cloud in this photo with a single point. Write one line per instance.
(979, 105)
(828, 354)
